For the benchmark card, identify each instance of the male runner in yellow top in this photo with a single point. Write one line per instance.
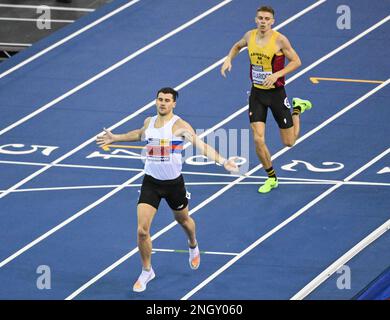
(267, 50)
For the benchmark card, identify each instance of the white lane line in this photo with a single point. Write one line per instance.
(35, 20)
(201, 252)
(62, 165)
(66, 39)
(207, 183)
(317, 281)
(167, 228)
(133, 115)
(280, 226)
(69, 220)
(77, 166)
(299, 14)
(217, 194)
(10, 44)
(114, 66)
(81, 212)
(345, 45)
(106, 186)
(361, 99)
(47, 234)
(195, 173)
(18, 6)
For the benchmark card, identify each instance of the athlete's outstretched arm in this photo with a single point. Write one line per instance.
(108, 137)
(185, 130)
(234, 51)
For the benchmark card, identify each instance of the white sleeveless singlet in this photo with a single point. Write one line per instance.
(163, 151)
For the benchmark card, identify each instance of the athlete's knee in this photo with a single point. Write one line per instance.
(142, 233)
(289, 141)
(288, 137)
(259, 139)
(182, 219)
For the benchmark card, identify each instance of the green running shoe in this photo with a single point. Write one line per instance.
(304, 104)
(270, 183)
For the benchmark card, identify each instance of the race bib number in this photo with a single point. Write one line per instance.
(258, 75)
(158, 150)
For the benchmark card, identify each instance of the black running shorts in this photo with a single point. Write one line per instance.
(174, 192)
(275, 99)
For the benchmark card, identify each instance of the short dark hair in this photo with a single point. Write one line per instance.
(266, 9)
(172, 91)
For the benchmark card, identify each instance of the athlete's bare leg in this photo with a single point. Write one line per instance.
(145, 213)
(187, 223)
(289, 136)
(258, 129)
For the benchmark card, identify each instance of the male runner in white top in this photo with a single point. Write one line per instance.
(165, 134)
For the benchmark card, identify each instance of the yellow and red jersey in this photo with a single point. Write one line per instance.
(265, 60)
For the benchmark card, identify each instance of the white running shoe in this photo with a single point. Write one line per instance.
(143, 279)
(194, 258)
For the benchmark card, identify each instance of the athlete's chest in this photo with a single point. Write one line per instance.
(262, 42)
(263, 47)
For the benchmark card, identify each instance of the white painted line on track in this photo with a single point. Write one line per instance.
(77, 215)
(139, 111)
(323, 276)
(54, 8)
(213, 174)
(114, 67)
(196, 173)
(66, 39)
(81, 212)
(280, 226)
(156, 235)
(10, 44)
(62, 165)
(210, 183)
(35, 20)
(201, 252)
(221, 191)
(131, 253)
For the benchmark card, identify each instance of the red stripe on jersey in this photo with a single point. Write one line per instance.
(158, 151)
(278, 64)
